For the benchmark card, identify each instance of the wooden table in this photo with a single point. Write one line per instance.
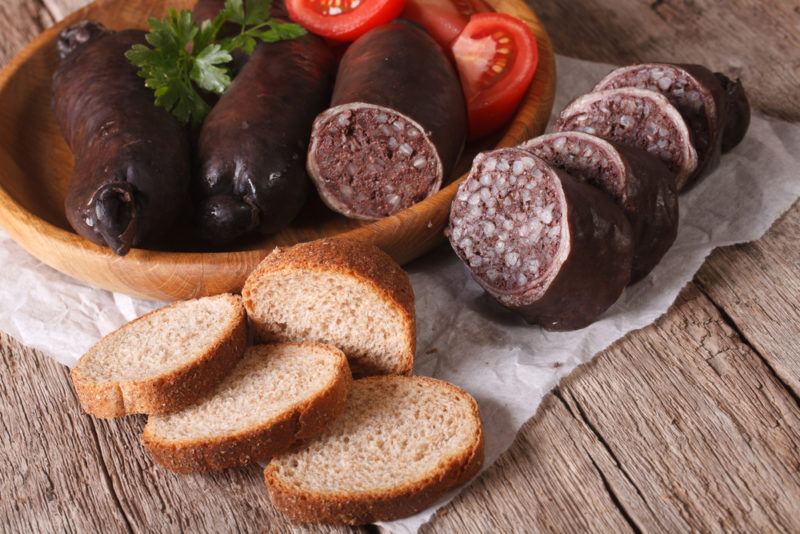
(690, 424)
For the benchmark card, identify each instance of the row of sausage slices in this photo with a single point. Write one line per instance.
(557, 227)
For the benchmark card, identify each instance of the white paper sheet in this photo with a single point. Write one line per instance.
(462, 337)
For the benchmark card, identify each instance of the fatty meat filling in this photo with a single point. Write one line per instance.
(376, 160)
(692, 101)
(506, 221)
(632, 121)
(583, 159)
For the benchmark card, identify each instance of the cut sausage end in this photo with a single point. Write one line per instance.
(506, 223)
(370, 161)
(584, 156)
(635, 117)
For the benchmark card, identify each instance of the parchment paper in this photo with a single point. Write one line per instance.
(463, 337)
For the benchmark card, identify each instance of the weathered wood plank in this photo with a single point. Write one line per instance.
(684, 424)
(52, 476)
(758, 286)
(547, 481)
(20, 21)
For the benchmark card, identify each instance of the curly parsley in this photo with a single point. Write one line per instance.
(182, 58)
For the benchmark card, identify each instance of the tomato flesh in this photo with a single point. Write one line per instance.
(443, 19)
(343, 20)
(496, 55)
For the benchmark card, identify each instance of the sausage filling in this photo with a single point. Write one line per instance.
(506, 222)
(630, 120)
(695, 102)
(584, 158)
(375, 161)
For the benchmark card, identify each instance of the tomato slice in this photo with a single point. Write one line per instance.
(496, 55)
(444, 19)
(343, 20)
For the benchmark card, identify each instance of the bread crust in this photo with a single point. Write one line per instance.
(363, 261)
(170, 391)
(369, 507)
(261, 441)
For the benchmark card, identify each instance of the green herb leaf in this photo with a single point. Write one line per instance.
(183, 57)
(207, 74)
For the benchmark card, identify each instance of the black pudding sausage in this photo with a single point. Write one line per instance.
(639, 182)
(132, 159)
(251, 151)
(714, 107)
(396, 126)
(542, 243)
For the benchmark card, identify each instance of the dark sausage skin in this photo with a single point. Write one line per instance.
(396, 126)
(636, 180)
(132, 159)
(542, 243)
(251, 151)
(738, 119)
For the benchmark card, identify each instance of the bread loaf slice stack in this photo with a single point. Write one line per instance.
(277, 395)
(348, 294)
(401, 443)
(164, 360)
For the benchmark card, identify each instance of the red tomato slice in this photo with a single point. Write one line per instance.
(444, 19)
(343, 20)
(496, 55)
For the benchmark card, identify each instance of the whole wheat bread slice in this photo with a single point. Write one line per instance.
(401, 443)
(277, 395)
(164, 360)
(349, 294)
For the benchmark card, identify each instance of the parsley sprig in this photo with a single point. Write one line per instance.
(183, 57)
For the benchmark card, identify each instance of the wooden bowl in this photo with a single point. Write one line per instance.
(35, 165)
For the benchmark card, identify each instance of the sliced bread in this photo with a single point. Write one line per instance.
(401, 443)
(346, 293)
(164, 360)
(277, 395)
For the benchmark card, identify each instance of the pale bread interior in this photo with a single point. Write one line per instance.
(328, 307)
(268, 382)
(161, 341)
(394, 431)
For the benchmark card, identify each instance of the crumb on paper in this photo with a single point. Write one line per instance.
(432, 350)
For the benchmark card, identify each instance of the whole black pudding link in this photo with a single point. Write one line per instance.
(251, 153)
(132, 159)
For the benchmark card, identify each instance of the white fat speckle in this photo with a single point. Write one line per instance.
(412, 132)
(474, 199)
(419, 163)
(381, 118)
(486, 180)
(398, 125)
(500, 246)
(517, 168)
(406, 149)
(512, 258)
(490, 164)
(485, 194)
(626, 121)
(393, 200)
(341, 120)
(522, 279)
(385, 130)
(560, 143)
(393, 144)
(476, 261)
(488, 228)
(664, 83)
(503, 165)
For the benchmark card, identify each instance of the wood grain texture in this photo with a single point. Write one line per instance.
(32, 188)
(679, 428)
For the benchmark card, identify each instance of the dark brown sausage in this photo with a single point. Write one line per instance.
(553, 249)
(251, 151)
(639, 182)
(396, 126)
(131, 173)
(635, 117)
(738, 120)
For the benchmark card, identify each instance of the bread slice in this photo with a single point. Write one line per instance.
(349, 294)
(277, 395)
(401, 443)
(164, 360)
